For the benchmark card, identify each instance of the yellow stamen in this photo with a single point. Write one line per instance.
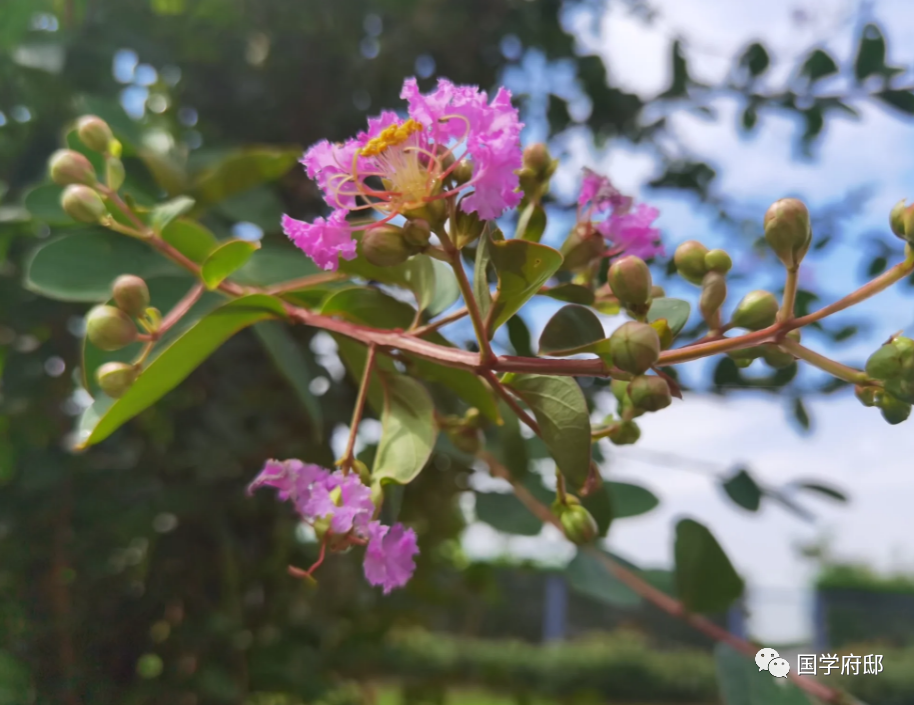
(390, 137)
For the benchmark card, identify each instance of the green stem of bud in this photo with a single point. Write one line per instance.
(834, 368)
(790, 294)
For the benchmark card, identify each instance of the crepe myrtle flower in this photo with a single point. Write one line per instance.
(340, 508)
(454, 141)
(602, 207)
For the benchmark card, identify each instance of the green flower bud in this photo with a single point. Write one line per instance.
(718, 261)
(538, 160)
(69, 167)
(657, 292)
(868, 396)
(893, 409)
(83, 204)
(94, 133)
(901, 389)
(385, 246)
(109, 328)
(115, 378)
(746, 355)
(650, 393)
(713, 295)
(467, 228)
(131, 294)
(416, 233)
(634, 347)
(114, 173)
(626, 433)
(788, 231)
(776, 357)
(578, 524)
(619, 389)
(690, 261)
(894, 359)
(434, 211)
(897, 218)
(630, 281)
(582, 247)
(757, 310)
(463, 172)
(664, 331)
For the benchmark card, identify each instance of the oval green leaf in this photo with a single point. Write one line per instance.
(706, 581)
(225, 260)
(165, 213)
(190, 238)
(174, 364)
(675, 311)
(522, 267)
(505, 512)
(275, 264)
(573, 329)
(408, 430)
(561, 412)
(743, 490)
(571, 293)
(242, 170)
(43, 203)
(742, 684)
(532, 223)
(630, 500)
(587, 575)
(432, 282)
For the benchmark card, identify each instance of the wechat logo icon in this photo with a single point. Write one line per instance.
(769, 660)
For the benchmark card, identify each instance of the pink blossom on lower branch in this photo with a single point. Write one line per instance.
(389, 556)
(324, 241)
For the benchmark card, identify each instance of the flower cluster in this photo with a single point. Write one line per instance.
(340, 507)
(627, 228)
(454, 142)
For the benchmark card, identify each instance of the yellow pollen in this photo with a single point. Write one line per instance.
(390, 136)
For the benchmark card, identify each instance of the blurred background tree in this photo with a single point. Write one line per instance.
(139, 572)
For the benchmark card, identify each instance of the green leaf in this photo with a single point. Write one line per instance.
(15, 681)
(408, 430)
(532, 223)
(481, 274)
(675, 311)
(242, 170)
(572, 293)
(755, 59)
(900, 100)
(275, 264)
(630, 500)
(818, 65)
(509, 447)
(165, 213)
(259, 205)
(573, 329)
(292, 363)
(519, 335)
(175, 363)
(800, 414)
(190, 238)
(561, 412)
(871, 55)
(741, 683)
(705, 579)
(588, 576)
(225, 260)
(433, 283)
(505, 512)
(43, 202)
(522, 267)
(82, 266)
(824, 490)
(743, 490)
(601, 506)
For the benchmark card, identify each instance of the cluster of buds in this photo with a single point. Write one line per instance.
(578, 524)
(390, 245)
(112, 328)
(536, 172)
(893, 366)
(74, 171)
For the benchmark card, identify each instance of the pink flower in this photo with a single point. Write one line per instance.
(349, 508)
(389, 557)
(292, 479)
(324, 241)
(632, 232)
(397, 166)
(599, 191)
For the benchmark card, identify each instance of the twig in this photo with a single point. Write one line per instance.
(440, 323)
(511, 401)
(346, 461)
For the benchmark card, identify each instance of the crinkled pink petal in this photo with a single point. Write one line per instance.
(632, 232)
(292, 479)
(599, 191)
(389, 557)
(355, 507)
(330, 164)
(324, 241)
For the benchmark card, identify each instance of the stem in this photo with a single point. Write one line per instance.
(790, 294)
(511, 401)
(659, 598)
(440, 323)
(834, 368)
(180, 309)
(305, 282)
(345, 462)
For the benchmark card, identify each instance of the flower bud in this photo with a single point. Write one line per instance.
(868, 395)
(713, 294)
(690, 261)
(109, 328)
(650, 392)
(131, 294)
(69, 167)
(718, 261)
(895, 359)
(788, 231)
(775, 356)
(664, 331)
(115, 378)
(757, 310)
(746, 355)
(634, 347)
(582, 247)
(578, 524)
(893, 409)
(630, 281)
(626, 433)
(467, 228)
(83, 204)
(897, 218)
(94, 133)
(538, 160)
(463, 172)
(416, 233)
(385, 246)
(657, 292)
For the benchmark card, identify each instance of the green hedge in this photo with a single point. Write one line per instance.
(858, 577)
